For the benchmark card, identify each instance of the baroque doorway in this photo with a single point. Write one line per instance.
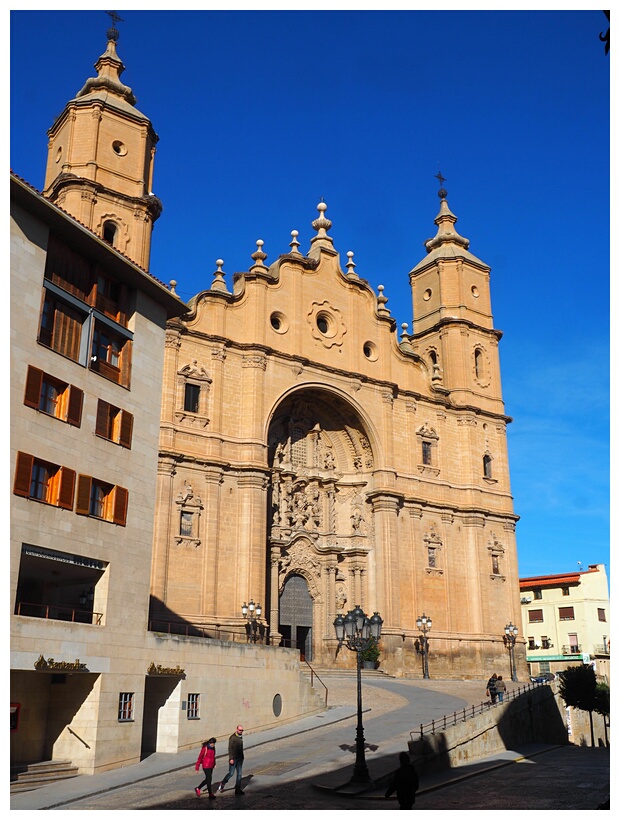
(296, 615)
(320, 522)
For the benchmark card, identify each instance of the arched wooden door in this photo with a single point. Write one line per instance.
(296, 615)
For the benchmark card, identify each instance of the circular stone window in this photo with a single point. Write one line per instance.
(370, 351)
(119, 148)
(427, 294)
(474, 292)
(278, 322)
(277, 705)
(325, 323)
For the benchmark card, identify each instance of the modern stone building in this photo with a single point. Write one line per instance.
(566, 620)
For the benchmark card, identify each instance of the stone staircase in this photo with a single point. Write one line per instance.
(335, 672)
(28, 776)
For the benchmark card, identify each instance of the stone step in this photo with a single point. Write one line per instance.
(29, 776)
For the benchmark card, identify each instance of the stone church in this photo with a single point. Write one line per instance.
(312, 455)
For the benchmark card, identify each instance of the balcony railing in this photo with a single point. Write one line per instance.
(601, 649)
(53, 612)
(573, 649)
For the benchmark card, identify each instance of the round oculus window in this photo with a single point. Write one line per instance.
(370, 351)
(474, 292)
(119, 148)
(427, 294)
(278, 322)
(325, 323)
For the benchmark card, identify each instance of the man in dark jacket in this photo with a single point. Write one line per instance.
(235, 760)
(404, 782)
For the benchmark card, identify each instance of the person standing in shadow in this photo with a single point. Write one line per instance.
(404, 782)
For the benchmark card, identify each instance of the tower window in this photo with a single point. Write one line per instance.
(110, 231)
(478, 363)
(486, 466)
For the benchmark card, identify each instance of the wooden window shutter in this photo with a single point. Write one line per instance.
(121, 498)
(74, 406)
(66, 488)
(102, 424)
(126, 429)
(126, 364)
(82, 503)
(23, 472)
(34, 380)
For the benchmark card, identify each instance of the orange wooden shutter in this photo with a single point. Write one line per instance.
(121, 498)
(82, 503)
(23, 472)
(102, 424)
(74, 408)
(34, 380)
(126, 429)
(66, 488)
(126, 364)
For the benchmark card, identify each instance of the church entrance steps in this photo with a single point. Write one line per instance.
(331, 672)
(28, 776)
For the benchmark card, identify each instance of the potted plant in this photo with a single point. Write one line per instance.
(370, 655)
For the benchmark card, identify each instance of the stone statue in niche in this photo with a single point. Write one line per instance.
(356, 521)
(341, 598)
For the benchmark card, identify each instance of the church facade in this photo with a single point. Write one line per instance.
(313, 459)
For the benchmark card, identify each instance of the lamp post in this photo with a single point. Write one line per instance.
(249, 611)
(356, 631)
(424, 625)
(510, 637)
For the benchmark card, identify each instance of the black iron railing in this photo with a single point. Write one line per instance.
(463, 715)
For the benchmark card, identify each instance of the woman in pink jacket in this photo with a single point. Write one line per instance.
(206, 759)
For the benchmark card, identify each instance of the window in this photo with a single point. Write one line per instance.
(546, 643)
(432, 557)
(495, 563)
(125, 706)
(109, 232)
(192, 398)
(573, 643)
(565, 591)
(187, 524)
(543, 666)
(478, 363)
(567, 613)
(427, 453)
(535, 616)
(111, 296)
(43, 481)
(531, 643)
(101, 500)
(538, 594)
(61, 326)
(193, 706)
(51, 396)
(114, 424)
(110, 354)
(601, 615)
(486, 466)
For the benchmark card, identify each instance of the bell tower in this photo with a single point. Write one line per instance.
(100, 160)
(452, 320)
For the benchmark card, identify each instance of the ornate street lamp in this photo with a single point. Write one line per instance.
(424, 625)
(252, 612)
(356, 631)
(510, 638)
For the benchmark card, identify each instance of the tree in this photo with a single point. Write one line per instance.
(602, 705)
(578, 689)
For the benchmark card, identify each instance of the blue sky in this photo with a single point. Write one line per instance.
(262, 114)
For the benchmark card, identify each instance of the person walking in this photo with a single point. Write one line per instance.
(206, 759)
(404, 782)
(235, 760)
(491, 688)
(500, 688)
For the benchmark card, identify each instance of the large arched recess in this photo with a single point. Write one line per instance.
(322, 454)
